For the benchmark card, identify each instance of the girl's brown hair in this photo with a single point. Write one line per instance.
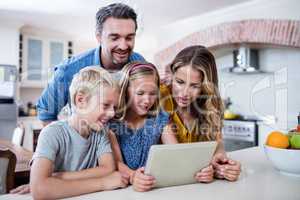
(131, 71)
(208, 108)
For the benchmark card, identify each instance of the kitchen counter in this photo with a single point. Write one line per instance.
(258, 180)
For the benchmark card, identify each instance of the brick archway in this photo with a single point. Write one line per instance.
(258, 31)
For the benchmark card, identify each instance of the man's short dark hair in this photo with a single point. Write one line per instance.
(115, 10)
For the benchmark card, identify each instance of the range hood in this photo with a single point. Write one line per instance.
(245, 61)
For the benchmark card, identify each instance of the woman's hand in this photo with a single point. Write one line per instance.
(226, 168)
(142, 182)
(205, 175)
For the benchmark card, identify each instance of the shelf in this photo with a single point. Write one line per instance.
(33, 84)
(27, 118)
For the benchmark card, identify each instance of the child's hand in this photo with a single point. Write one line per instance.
(23, 189)
(226, 168)
(142, 182)
(115, 180)
(205, 175)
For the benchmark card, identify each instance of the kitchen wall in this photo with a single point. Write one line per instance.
(257, 9)
(9, 43)
(80, 47)
(274, 96)
(275, 93)
(30, 95)
(285, 9)
(9, 40)
(9, 53)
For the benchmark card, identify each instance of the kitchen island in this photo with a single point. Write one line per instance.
(258, 181)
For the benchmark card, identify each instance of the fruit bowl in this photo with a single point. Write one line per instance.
(287, 161)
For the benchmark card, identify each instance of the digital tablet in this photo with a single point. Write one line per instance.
(177, 164)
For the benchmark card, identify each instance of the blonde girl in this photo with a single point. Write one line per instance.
(140, 122)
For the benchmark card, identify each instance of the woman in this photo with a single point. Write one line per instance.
(193, 101)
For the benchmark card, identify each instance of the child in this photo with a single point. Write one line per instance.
(143, 123)
(73, 157)
(195, 107)
(140, 122)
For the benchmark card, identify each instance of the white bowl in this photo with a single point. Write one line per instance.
(287, 161)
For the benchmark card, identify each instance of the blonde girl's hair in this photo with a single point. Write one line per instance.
(90, 81)
(208, 108)
(132, 71)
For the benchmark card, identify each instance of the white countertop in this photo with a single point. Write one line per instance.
(258, 181)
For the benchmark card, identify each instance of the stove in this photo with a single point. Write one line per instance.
(240, 134)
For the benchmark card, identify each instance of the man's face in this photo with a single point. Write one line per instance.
(117, 42)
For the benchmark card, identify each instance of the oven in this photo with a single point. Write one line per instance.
(239, 134)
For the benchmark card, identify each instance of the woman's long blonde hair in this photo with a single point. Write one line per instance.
(131, 71)
(208, 108)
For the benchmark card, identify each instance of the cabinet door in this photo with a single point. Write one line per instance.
(57, 54)
(40, 55)
(34, 60)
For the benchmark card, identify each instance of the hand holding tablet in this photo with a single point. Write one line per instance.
(177, 164)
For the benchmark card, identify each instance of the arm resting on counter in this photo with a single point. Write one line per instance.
(44, 186)
(106, 166)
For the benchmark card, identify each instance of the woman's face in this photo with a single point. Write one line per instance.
(186, 85)
(142, 94)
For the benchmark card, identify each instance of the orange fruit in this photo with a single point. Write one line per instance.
(278, 139)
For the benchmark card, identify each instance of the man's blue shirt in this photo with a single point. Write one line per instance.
(56, 95)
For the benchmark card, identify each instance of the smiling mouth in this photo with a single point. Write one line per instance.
(183, 100)
(122, 54)
(144, 108)
(103, 121)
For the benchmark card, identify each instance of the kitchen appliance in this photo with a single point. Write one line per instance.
(8, 106)
(245, 61)
(240, 134)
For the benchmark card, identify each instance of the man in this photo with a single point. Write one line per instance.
(116, 26)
